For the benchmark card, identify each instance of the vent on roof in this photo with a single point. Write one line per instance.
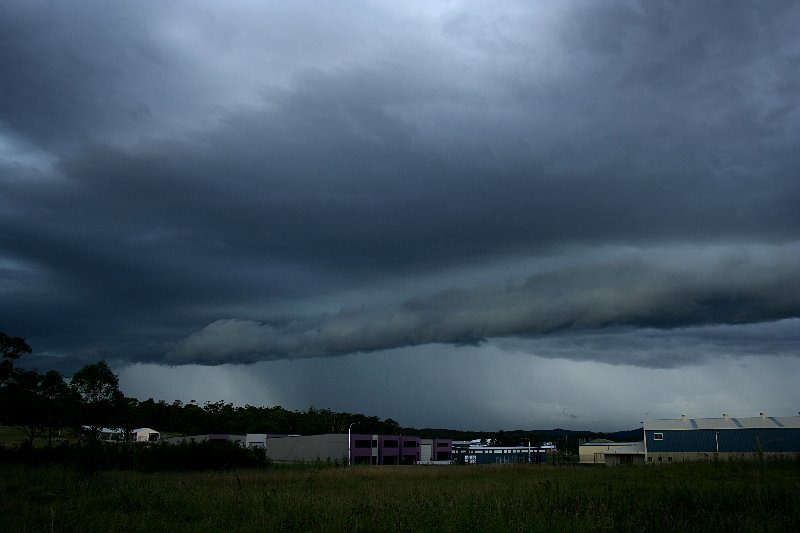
(724, 415)
(684, 417)
(763, 415)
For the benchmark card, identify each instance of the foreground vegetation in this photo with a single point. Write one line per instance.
(683, 497)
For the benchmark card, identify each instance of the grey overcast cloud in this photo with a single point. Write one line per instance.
(456, 214)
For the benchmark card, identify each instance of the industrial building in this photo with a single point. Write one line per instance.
(691, 439)
(594, 451)
(146, 435)
(296, 449)
(632, 454)
(360, 449)
(119, 435)
(473, 452)
(436, 451)
(705, 439)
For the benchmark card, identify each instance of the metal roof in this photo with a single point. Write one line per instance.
(606, 443)
(635, 448)
(726, 422)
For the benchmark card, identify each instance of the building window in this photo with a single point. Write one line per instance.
(660, 458)
(650, 459)
(669, 459)
(410, 444)
(390, 444)
(658, 436)
(359, 443)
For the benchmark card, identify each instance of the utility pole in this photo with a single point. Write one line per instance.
(350, 444)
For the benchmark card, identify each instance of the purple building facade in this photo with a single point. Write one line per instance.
(442, 450)
(369, 449)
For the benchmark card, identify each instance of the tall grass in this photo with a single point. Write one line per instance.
(682, 497)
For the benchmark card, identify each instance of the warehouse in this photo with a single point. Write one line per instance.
(593, 452)
(385, 449)
(360, 449)
(436, 451)
(699, 439)
(470, 452)
(294, 449)
(146, 435)
(632, 454)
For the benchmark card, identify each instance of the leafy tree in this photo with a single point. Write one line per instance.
(11, 349)
(21, 404)
(34, 403)
(58, 400)
(100, 398)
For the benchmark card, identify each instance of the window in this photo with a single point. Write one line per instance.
(658, 436)
(390, 444)
(359, 443)
(409, 444)
(649, 459)
(669, 459)
(660, 458)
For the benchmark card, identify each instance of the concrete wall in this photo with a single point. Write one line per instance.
(308, 448)
(595, 453)
(613, 459)
(682, 457)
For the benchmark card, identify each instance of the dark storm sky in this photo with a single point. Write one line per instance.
(312, 203)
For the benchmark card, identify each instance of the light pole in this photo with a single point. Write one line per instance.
(350, 444)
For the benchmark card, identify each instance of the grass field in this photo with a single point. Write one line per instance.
(10, 436)
(685, 497)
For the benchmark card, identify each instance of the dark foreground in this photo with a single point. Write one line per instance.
(681, 497)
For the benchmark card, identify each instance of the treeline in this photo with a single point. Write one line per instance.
(41, 405)
(221, 417)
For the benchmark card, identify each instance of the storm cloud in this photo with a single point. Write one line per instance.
(195, 183)
(736, 288)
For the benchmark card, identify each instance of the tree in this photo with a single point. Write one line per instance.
(11, 349)
(100, 398)
(58, 401)
(34, 403)
(21, 405)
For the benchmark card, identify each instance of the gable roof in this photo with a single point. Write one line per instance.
(726, 422)
(633, 449)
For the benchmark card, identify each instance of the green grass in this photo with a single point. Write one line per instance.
(685, 497)
(11, 436)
